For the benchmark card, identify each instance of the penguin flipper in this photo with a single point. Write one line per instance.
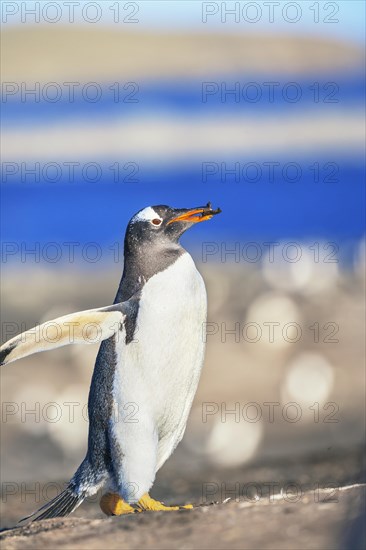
(83, 327)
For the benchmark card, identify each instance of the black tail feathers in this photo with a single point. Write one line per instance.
(62, 505)
(85, 482)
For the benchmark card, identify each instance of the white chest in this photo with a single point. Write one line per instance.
(157, 374)
(160, 370)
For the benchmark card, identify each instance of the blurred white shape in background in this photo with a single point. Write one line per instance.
(218, 288)
(233, 443)
(274, 307)
(226, 439)
(32, 401)
(70, 430)
(309, 379)
(360, 258)
(307, 267)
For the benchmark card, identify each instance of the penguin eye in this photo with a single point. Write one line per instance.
(156, 221)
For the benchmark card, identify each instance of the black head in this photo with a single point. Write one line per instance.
(151, 243)
(163, 224)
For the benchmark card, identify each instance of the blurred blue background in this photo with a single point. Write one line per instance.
(164, 130)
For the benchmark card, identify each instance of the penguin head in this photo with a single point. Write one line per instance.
(164, 224)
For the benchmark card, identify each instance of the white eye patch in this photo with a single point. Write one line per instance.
(146, 215)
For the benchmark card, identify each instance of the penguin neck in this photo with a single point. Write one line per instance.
(143, 261)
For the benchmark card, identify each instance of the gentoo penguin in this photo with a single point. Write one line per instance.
(150, 357)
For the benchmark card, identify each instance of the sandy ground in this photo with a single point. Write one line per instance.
(331, 523)
(315, 503)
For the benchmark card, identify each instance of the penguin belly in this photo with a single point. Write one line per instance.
(158, 372)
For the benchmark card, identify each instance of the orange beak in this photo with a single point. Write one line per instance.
(196, 215)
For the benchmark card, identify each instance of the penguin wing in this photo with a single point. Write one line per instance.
(83, 327)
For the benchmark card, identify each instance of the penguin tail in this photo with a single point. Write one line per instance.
(62, 505)
(85, 482)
